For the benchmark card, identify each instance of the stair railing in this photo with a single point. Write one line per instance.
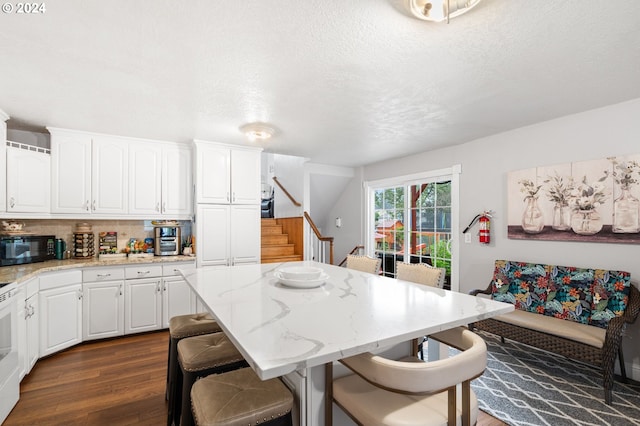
(318, 247)
(356, 250)
(293, 200)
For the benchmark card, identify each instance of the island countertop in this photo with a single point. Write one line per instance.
(279, 329)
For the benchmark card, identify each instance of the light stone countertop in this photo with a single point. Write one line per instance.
(279, 329)
(20, 273)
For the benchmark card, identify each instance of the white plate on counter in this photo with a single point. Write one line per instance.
(302, 283)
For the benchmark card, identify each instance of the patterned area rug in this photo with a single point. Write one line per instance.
(525, 386)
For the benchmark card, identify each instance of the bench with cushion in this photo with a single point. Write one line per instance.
(578, 313)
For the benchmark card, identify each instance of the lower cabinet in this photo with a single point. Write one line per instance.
(143, 305)
(103, 307)
(177, 299)
(60, 302)
(28, 326)
(32, 310)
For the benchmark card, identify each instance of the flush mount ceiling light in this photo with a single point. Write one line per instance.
(439, 10)
(257, 131)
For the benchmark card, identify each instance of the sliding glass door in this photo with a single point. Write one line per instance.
(410, 220)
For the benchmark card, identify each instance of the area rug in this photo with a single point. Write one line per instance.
(525, 386)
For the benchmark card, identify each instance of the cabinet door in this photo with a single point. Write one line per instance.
(245, 177)
(177, 299)
(103, 310)
(22, 332)
(145, 174)
(245, 234)
(177, 186)
(28, 174)
(109, 175)
(3, 161)
(143, 305)
(213, 174)
(33, 332)
(60, 318)
(70, 172)
(212, 235)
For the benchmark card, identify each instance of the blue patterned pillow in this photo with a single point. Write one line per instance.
(518, 283)
(569, 293)
(610, 296)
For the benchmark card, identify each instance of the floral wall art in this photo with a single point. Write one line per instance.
(594, 201)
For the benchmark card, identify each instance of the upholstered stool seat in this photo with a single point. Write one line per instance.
(198, 357)
(240, 398)
(182, 326)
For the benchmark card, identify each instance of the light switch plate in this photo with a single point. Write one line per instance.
(467, 238)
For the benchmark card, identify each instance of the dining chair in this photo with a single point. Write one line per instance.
(411, 392)
(420, 273)
(364, 263)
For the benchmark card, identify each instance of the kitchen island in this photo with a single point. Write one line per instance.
(291, 332)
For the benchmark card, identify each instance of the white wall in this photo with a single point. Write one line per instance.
(289, 170)
(349, 208)
(609, 131)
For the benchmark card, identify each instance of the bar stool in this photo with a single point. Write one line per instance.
(182, 326)
(199, 356)
(241, 398)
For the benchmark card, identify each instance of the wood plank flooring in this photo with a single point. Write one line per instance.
(109, 382)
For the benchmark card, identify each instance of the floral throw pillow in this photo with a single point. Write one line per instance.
(519, 283)
(610, 296)
(569, 293)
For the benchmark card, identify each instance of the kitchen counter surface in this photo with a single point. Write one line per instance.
(19, 273)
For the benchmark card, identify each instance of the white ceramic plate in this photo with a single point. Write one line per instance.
(300, 273)
(302, 283)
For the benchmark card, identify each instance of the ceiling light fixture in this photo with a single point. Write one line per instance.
(257, 131)
(439, 10)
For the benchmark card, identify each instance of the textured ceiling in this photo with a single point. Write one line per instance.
(344, 82)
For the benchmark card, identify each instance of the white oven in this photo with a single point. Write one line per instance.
(9, 374)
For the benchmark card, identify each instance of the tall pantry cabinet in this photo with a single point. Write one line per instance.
(228, 204)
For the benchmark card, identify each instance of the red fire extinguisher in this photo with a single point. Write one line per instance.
(485, 228)
(484, 218)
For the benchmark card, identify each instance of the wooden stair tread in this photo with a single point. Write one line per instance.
(279, 259)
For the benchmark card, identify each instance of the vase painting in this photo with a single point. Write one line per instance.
(588, 201)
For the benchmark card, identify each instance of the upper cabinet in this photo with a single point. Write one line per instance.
(89, 173)
(160, 179)
(115, 176)
(28, 170)
(227, 175)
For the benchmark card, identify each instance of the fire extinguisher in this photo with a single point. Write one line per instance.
(484, 218)
(484, 236)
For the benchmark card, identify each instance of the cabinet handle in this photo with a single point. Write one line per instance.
(234, 196)
(93, 206)
(158, 288)
(120, 289)
(165, 287)
(86, 205)
(103, 275)
(228, 197)
(143, 272)
(32, 311)
(164, 207)
(79, 294)
(12, 202)
(157, 207)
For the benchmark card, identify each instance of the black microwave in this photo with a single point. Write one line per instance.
(19, 249)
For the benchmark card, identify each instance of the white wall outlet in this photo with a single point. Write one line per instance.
(467, 238)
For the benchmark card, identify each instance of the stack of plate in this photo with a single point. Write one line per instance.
(301, 276)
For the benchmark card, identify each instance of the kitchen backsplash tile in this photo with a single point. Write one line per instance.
(126, 229)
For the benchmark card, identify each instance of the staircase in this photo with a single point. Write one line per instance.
(276, 246)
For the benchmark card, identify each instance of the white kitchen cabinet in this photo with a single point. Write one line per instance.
(28, 326)
(89, 173)
(177, 296)
(60, 301)
(32, 312)
(3, 161)
(227, 175)
(28, 170)
(103, 303)
(160, 181)
(143, 298)
(227, 235)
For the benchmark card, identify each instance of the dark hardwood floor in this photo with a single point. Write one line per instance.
(108, 382)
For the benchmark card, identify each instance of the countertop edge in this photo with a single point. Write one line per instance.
(21, 273)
